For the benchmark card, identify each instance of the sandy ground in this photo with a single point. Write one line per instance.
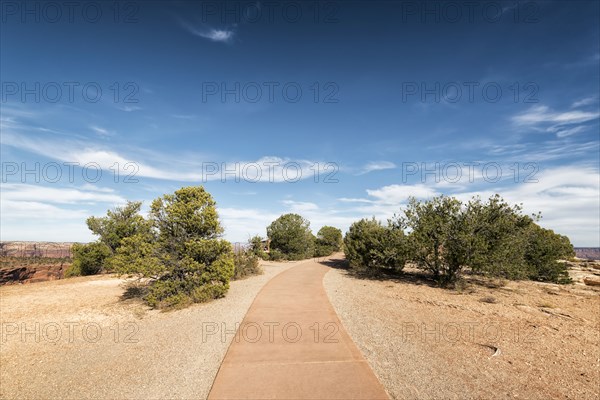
(77, 338)
(424, 342)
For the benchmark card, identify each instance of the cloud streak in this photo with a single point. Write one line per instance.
(542, 114)
(377, 166)
(215, 35)
(268, 169)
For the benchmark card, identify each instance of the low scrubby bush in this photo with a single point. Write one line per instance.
(88, 259)
(493, 238)
(276, 255)
(246, 263)
(257, 248)
(439, 238)
(328, 241)
(373, 248)
(544, 249)
(290, 235)
(178, 249)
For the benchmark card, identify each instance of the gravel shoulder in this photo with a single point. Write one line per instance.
(79, 339)
(520, 340)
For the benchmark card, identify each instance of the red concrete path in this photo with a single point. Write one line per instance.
(291, 345)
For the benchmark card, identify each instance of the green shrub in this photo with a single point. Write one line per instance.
(276, 255)
(328, 241)
(119, 223)
(544, 248)
(88, 259)
(322, 250)
(192, 281)
(373, 248)
(493, 238)
(256, 247)
(439, 236)
(72, 270)
(246, 264)
(496, 237)
(137, 255)
(181, 252)
(290, 234)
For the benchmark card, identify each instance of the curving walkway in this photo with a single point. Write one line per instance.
(292, 345)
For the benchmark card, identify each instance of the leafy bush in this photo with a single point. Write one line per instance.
(493, 238)
(256, 247)
(328, 241)
(88, 259)
(321, 250)
(246, 264)
(120, 223)
(137, 255)
(544, 248)
(185, 259)
(290, 234)
(439, 237)
(276, 255)
(371, 247)
(497, 237)
(72, 271)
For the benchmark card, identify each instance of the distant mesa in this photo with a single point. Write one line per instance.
(24, 249)
(588, 253)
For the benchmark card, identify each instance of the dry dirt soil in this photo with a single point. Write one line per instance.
(523, 340)
(78, 338)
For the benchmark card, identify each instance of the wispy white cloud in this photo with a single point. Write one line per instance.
(567, 196)
(300, 206)
(242, 223)
(542, 114)
(398, 194)
(585, 102)
(57, 213)
(545, 151)
(564, 132)
(101, 131)
(376, 166)
(561, 123)
(37, 210)
(216, 35)
(88, 194)
(269, 169)
(129, 108)
(33, 212)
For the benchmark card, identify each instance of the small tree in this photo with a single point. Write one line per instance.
(544, 249)
(371, 247)
(440, 237)
(188, 214)
(290, 234)
(256, 247)
(328, 241)
(120, 223)
(497, 239)
(187, 259)
(494, 238)
(138, 255)
(88, 259)
(246, 263)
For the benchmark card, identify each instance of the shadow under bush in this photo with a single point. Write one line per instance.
(135, 290)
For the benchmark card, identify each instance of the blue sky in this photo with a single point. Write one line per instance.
(345, 109)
